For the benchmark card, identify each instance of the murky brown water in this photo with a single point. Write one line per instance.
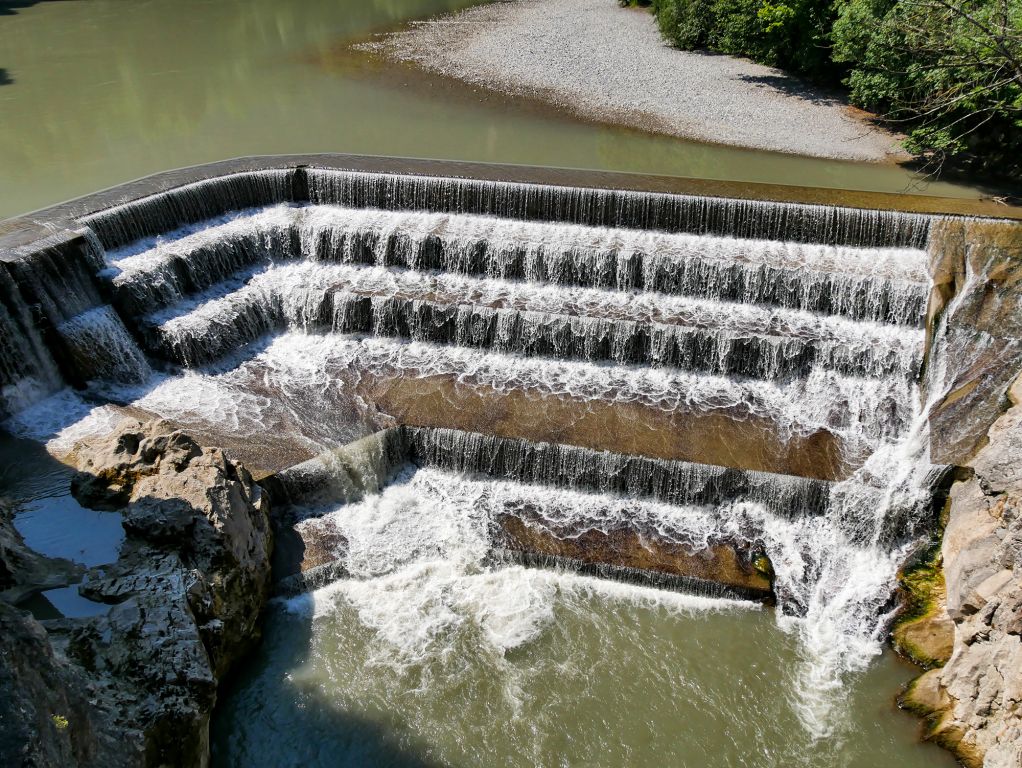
(95, 93)
(526, 668)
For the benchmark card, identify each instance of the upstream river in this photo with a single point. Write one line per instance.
(439, 662)
(96, 93)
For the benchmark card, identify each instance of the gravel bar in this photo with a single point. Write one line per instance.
(610, 64)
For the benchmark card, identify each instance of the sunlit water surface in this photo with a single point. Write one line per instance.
(96, 93)
(525, 668)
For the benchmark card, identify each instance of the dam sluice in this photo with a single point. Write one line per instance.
(708, 395)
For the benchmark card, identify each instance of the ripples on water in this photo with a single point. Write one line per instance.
(427, 657)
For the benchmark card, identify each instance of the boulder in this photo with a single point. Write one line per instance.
(185, 599)
(197, 504)
(974, 702)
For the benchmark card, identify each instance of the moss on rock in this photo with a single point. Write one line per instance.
(923, 632)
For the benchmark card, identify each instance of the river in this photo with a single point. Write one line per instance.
(440, 661)
(96, 93)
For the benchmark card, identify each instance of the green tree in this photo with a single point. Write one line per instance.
(949, 72)
(946, 72)
(685, 23)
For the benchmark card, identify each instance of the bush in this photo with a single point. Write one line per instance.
(792, 35)
(949, 74)
(946, 72)
(685, 23)
(738, 30)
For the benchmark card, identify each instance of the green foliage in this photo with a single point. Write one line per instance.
(685, 23)
(738, 30)
(791, 34)
(948, 73)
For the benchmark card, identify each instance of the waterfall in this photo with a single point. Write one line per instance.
(192, 203)
(710, 371)
(101, 347)
(305, 371)
(198, 201)
(39, 292)
(671, 482)
(886, 286)
(638, 210)
(27, 371)
(718, 339)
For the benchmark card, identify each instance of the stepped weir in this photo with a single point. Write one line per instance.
(692, 392)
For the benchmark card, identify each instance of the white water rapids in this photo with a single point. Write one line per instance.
(417, 549)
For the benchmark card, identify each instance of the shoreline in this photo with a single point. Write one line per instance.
(542, 50)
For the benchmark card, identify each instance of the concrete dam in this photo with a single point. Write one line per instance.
(730, 398)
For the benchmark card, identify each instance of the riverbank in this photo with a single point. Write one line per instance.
(609, 64)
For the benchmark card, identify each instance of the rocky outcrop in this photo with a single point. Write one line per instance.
(974, 329)
(923, 631)
(46, 717)
(188, 502)
(974, 702)
(185, 594)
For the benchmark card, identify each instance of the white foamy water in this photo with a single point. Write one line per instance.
(295, 295)
(416, 553)
(103, 348)
(896, 263)
(864, 412)
(62, 419)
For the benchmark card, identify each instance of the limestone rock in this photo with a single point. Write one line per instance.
(929, 640)
(186, 595)
(198, 503)
(975, 701)
(975, 313)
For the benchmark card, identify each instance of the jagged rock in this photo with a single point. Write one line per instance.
(974, 703)
(46, 718)
(185, 595)
(24, 571)
(974, 331)
(194, 501)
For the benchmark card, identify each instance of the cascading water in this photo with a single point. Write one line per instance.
(27, 371)
(502, 324)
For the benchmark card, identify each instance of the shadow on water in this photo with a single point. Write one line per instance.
(55, 525)
(250, 703)
(11, 7)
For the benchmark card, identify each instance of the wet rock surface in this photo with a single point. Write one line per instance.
(185, 598)
(736, 567)
(974, 702)
(974, 329)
